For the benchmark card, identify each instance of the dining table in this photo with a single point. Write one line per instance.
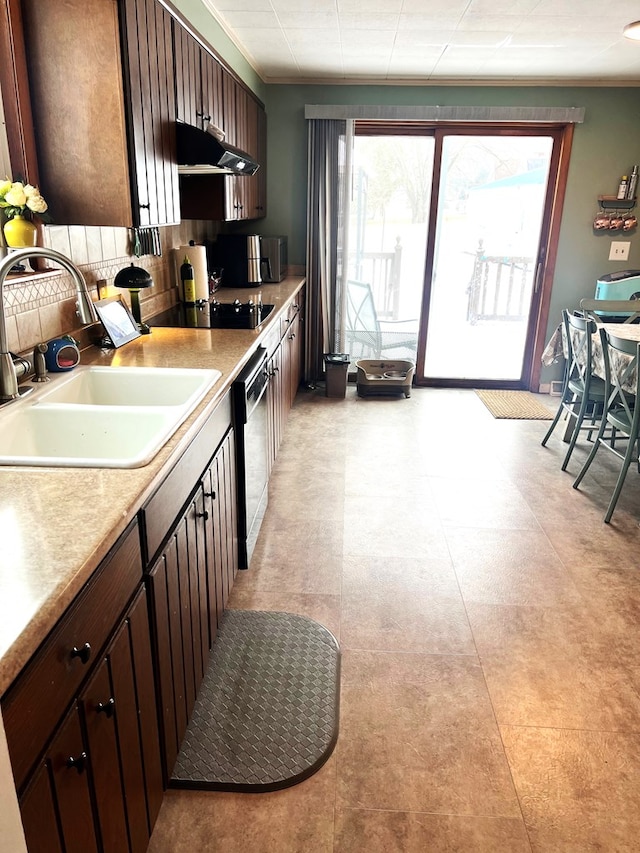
(556, 349)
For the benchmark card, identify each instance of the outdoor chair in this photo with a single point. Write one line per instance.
(368, 337)
(622, 387)
(627, 308)
(583, 394)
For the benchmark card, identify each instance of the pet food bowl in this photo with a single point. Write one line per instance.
(384, 377)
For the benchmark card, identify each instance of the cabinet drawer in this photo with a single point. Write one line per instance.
(289, 316)
(36, 701)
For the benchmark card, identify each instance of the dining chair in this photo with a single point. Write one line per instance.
(369, 337)
(622, 387)
(583, 394)
(603, 310)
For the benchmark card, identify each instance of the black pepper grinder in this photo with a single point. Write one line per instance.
(188, 282)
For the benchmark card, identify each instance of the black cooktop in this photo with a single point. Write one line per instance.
(213, 315)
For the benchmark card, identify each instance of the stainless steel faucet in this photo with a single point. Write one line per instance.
(84, 309)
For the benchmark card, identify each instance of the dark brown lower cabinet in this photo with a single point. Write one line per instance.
(294, 358)
(190, 582)
(99, 784)
(118, 708)
(97, 704)
(285, 371)
(176, 582)
(87, 766)
(275, 419)
(227, 519)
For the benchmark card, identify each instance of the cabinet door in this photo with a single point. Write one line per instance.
(150, 86)
(246, 194)
(233, 200)
(221, 529)
(180, 610)
(145, 725)
(251, 143)
(216, 546)
(38, 809)
(294, 343)
(284, 371)
(212, 89)
(120, 720)
(80, 127)
(188, 82)
(60, 786)
(165, 598)
(191, 650)
(226, 459)
(196, 519)
(274, 402)
(115, 128)
(98, 705)
(230, 125)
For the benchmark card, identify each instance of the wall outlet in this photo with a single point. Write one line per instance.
(619, 251)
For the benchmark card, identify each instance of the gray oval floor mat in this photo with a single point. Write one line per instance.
(266, 716)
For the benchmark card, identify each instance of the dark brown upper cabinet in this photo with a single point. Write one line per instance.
(207, 93)
(245, 196)
(199, 83)
(103, 102)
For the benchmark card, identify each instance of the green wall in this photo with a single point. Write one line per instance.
(605, 146)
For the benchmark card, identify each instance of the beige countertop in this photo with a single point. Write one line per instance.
(56, 524)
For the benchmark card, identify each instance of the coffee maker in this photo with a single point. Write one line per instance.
(239, 257)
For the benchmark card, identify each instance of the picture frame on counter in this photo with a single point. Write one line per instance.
(117, 320)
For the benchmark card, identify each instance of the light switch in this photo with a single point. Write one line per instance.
(619, 251)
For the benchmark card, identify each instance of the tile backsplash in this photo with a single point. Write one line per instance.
(42, 306)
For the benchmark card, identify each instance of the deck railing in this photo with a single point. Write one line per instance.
(500, 287)
(382, 271)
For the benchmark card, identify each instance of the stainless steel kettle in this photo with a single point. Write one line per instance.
(254, 273)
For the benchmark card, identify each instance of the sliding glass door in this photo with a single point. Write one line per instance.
(447, 245)
(486, 255)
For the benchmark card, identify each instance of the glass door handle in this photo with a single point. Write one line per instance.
(538, 278)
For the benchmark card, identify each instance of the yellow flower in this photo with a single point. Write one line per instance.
(36, 203)
(5, 186)
(16, 196)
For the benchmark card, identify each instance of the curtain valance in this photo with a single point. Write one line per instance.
(434, 113)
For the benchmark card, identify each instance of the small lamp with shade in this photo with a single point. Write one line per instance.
(134, 279)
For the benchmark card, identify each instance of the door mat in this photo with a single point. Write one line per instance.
(266, 716)
(515, 405)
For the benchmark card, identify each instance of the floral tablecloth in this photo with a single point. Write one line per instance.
(556, 349)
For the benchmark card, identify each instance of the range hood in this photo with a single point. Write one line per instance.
(201, 153)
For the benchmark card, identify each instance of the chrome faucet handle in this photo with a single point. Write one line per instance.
(39, 363)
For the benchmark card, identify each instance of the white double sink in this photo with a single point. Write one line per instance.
(101, 417)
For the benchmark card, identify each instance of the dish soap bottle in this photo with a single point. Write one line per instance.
(188, 281)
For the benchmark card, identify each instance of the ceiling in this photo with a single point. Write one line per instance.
(411, 41)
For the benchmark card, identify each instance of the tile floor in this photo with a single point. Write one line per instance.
(488, 621)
